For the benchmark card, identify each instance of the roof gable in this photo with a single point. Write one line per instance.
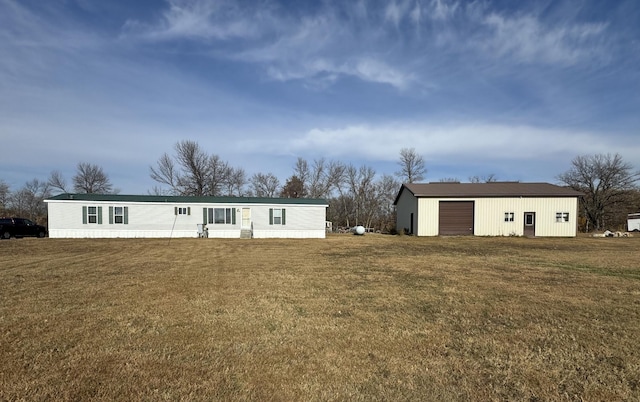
(483, 190)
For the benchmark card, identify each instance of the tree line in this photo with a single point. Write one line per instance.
(357, 195)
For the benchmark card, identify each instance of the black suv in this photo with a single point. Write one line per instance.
(20, 227)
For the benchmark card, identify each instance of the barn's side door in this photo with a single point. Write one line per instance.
(530, 224)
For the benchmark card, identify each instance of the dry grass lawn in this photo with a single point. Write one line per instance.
(346, 318)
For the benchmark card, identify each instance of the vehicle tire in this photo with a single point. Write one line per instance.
(6, 235)
(41, 234)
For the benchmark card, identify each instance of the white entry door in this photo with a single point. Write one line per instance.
(246, 218)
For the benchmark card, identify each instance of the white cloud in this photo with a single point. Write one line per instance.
(197, 19)
(442, 10)
(470, 141)
(526, 39)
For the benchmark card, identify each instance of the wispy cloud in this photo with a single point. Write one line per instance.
(440, 142)
(526, 39)
(462, 82)
(337, 40)
(195, 19)
(442, 9)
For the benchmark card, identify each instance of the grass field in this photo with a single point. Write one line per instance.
(353, 318)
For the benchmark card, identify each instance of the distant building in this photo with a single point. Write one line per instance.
(633, 222)
(487, 209)
(129, 216)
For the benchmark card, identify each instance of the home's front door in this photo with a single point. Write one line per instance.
(530, 224)
(246, 218)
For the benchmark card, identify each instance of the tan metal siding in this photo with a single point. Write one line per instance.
(489, 216)
(428, 219)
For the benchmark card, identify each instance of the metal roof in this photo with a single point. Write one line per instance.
(484, 190)
(179, 199)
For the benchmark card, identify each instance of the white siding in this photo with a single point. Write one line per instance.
(148, 219)
(302, 221)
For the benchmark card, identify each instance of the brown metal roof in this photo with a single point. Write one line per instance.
(494, 189)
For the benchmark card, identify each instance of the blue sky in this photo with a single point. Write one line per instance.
(516, 89)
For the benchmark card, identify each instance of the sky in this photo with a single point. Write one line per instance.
(516, 89)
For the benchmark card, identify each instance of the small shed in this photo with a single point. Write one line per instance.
(633, 222)
(140, 216)
(487, 209)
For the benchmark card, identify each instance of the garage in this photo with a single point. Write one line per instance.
(487, 209)
(456, 218)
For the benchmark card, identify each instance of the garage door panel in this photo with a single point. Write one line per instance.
(456, 218)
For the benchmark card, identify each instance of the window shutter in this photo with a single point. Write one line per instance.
(204, 216)
(270, 216)
(188, 210)
(99, 215)
(283, 216)
(110, 215)
(126, 215)
(175, 210)
(233, 216)
(84, 215)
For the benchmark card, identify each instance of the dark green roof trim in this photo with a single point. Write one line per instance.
(179, 199)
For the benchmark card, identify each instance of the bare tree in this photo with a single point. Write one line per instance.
(490, 178)
(217, 176)
(322, 178)
(29, 200)
(195, 169)
(5, 194)
(449, 180)
(604, 180)
(265, 185)
(387, 189)
(165, 173)
(363, 200)
(193, 172)
(411, 166)
(301, 170)
(57, 181)
(91, 178)
(362, 188)
(236, 181)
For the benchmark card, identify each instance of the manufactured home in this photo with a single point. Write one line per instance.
(140, 216)
(487, 209)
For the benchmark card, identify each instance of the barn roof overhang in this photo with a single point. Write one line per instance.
(486, 190)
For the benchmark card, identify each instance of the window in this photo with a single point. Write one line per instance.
(91, 215)
(118, 215)
(182, 210)
(222, 216)
(277, 216)
(562, 217)
(508, 216)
